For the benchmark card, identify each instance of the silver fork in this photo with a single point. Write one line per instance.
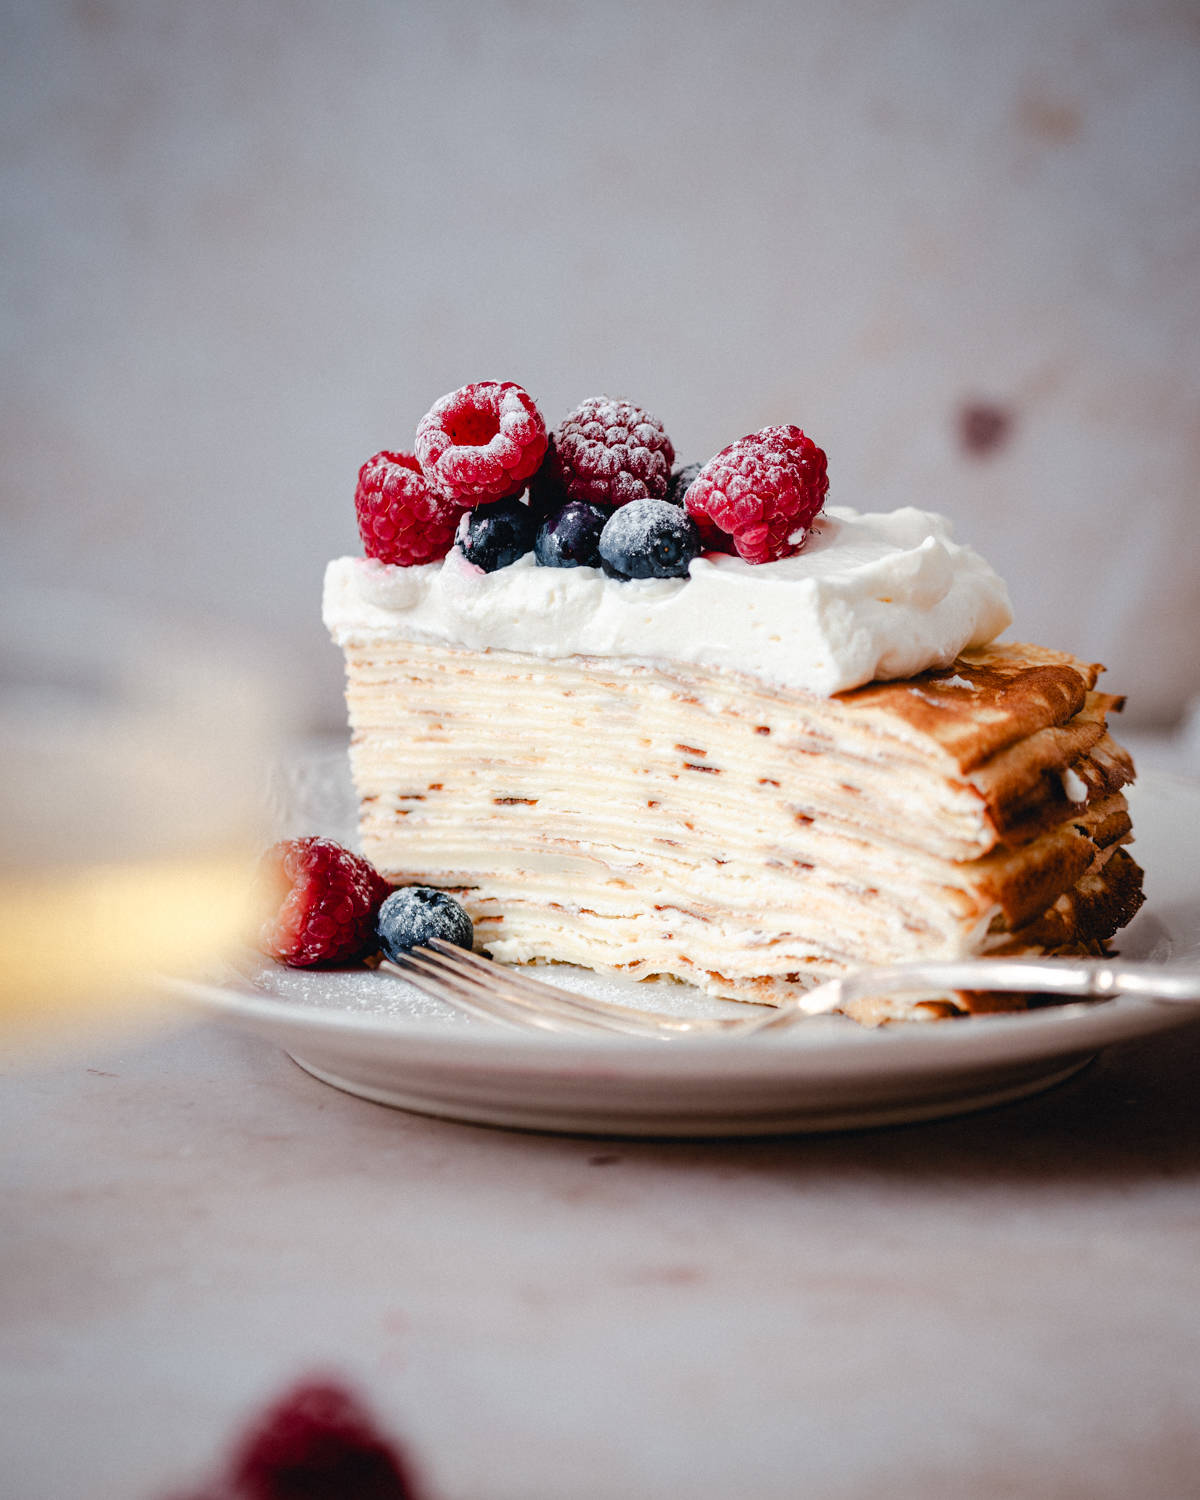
(481, 987)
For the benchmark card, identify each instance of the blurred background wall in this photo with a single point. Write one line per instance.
(247, 244)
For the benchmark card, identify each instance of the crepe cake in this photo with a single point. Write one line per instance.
(702, 808)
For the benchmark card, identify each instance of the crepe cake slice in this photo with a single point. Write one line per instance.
(676, 821)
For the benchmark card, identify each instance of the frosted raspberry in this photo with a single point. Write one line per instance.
(482, 442)
(712, 538)
(318, 903)
(401, 519)
(609, 452)
(318, 1443)
(764, 491)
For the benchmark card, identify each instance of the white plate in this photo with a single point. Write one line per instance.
(376, 1036)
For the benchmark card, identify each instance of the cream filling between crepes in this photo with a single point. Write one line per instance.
(682, 825)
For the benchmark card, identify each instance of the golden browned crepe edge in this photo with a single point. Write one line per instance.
(989, 698)
(1012, 720)
(1080, 923)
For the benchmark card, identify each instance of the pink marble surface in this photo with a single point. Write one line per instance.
(999, 1306)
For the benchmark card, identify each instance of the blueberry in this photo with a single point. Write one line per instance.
(570, 537)
(496, 533)
(649, 539)
(547, 492)
(415, 913)
(681, 481)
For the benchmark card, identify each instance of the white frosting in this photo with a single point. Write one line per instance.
(871, 596)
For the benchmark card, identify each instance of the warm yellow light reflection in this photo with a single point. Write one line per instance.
(83, 946)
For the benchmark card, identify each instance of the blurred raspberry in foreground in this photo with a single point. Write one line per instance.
(317, 1442)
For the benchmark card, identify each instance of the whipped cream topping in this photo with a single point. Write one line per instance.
(881, 595)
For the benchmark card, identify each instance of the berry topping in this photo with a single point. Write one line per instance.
(318, 903)
(546, 493)
(413, 915)
(400, 518)
(570, 537)
(482, 442)
(681, 480)
(764, 491)
(496, 533)
(649, 539)
(610, 452)
(318, 1443)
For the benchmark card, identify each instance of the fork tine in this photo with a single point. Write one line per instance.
(486, 971)
(494, 991)
(527, 1000)
(481, 976)
(532, 996)
(490, 991)
(476, 1000)
(541, 993)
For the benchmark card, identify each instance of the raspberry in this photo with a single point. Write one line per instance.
(712, 538)
(319, 903)
(610, 452)
(765, 491)
(401, 519)
(318, 1443)
(482, 442)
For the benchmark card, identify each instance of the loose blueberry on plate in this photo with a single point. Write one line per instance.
(415, 914)
(649, 539)
(496, 533)
(570, 538)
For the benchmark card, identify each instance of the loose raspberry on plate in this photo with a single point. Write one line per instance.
(319, 903)
(609, 452)
(482, 442)
(764, 491)
(401, 518)
(318, 1443)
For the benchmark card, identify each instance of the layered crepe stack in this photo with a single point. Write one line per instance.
(670, 820)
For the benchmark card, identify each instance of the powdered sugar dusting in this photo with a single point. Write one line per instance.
(363, 991)
(637, 521)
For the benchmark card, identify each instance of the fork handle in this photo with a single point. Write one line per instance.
(1099, 979)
